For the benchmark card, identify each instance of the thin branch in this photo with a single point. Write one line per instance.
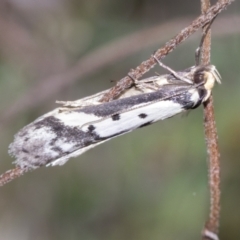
(145, 66)
(11, 174)
(210, 230)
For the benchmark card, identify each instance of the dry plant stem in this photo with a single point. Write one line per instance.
(212, 223)
(145, 66)
(10, 175)
(210, 230)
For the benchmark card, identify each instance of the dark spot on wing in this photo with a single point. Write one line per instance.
(115, 117)
(37, 127)
(57, 149)
(91, 128)
(37, 156)
(26, 139)
(24, 150)
(145, 124)
(142, 115)
(99, 138)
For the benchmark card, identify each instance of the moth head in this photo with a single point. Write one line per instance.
(207, 75)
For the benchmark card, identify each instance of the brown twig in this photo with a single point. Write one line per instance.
(210, 230)
(11, 174)
(145, 66)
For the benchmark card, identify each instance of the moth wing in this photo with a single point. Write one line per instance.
(134, 118)
(106, 128)
(55, 136)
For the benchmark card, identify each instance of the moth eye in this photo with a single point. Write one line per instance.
(199, 77)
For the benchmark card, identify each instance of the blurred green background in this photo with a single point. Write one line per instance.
(150, 184)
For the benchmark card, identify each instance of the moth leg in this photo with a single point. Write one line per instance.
(83, 102)
(156, 85)
(136, 82)
(144, 83)
(174, 73)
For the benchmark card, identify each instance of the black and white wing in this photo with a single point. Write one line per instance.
(68, 132)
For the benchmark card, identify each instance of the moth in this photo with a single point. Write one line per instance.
(75, 127)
